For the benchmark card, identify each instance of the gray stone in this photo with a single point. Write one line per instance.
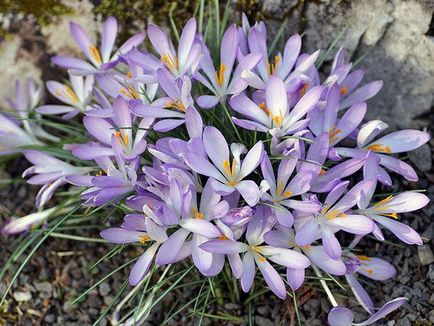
(425, 254)
(261, 321)
(421, 157)
(44, 287)
(104, 289)
(22, 296)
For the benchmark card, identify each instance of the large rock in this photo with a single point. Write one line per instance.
(392, 32)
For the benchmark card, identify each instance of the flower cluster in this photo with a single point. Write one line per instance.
(245, 157)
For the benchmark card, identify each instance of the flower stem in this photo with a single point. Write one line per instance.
(325, 286)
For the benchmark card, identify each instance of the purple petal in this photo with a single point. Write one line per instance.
(119, 235)
(271, 277)
(295, 277)
(362, 94)
(171, 247)
(224, 247)
(340, 316)
(207, 101)
(249, 271)
(108, 37)
(141, 267)
(200, 226)
(360, 293)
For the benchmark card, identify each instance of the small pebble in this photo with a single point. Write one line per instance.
(104, 289)
(20, 296)
(425, 254)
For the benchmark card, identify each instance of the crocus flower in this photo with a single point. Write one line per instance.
(223, 82)
(138, 229)
(185, 60)
(325, 120)
(196, 219)
(228, 176)
(384, 212)
(284, 237)
(117, 183)
(50, 172)
(349, 80)
(283, 189)
(132, 142)
(171, 108)
(22, 224)
(395, 142)
(256, 254)
(100, 59)
(282, 65)
(77, 96)
(274, 114)
(12, 137)
(342, 316)
(335, 215)
(370, 267)
(22, 111)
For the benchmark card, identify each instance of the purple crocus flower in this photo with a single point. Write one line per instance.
(282, 66)
(49, 172)
(325, 120)
(395, 142)
(335, 215)
(132, 143)
(117, 183)
(223, 82)
(77, 96)
(274, 114)
(256, 254)
(23, 114)
(100, 59)
(185, 60)
(348, 81)
(22, 224)
(12, 137)
(384, 212)
(342, 316)
(142, 229)
(171, 108)
(227, 176)
(284, 237)
(370, 267)
(283, 189)
(196, 219)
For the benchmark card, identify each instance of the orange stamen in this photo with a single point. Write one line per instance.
(170, 63)
(344, 90)
(94, 53)
(380, 148)
(220, 75)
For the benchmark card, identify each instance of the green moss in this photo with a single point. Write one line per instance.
(252, 8)
(45, 11)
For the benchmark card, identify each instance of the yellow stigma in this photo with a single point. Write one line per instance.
(122, 137)
(384, 201)
(380, 148)
(223, 237)
(304, 89)
(94, 53)
(176, 105)
(271, 68)
(144, 238)
(287, 194)
(170, 63)
(228, 168)
(277, 119)
(333, 133)
(196, 214)
(262, 259)
(344, 90)
(220, 75)
(333, 213)
(130, 92)
(363, 258)
(71, 94)
(392, 215)
(129, 74)
(263, 107)
(99, 173)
